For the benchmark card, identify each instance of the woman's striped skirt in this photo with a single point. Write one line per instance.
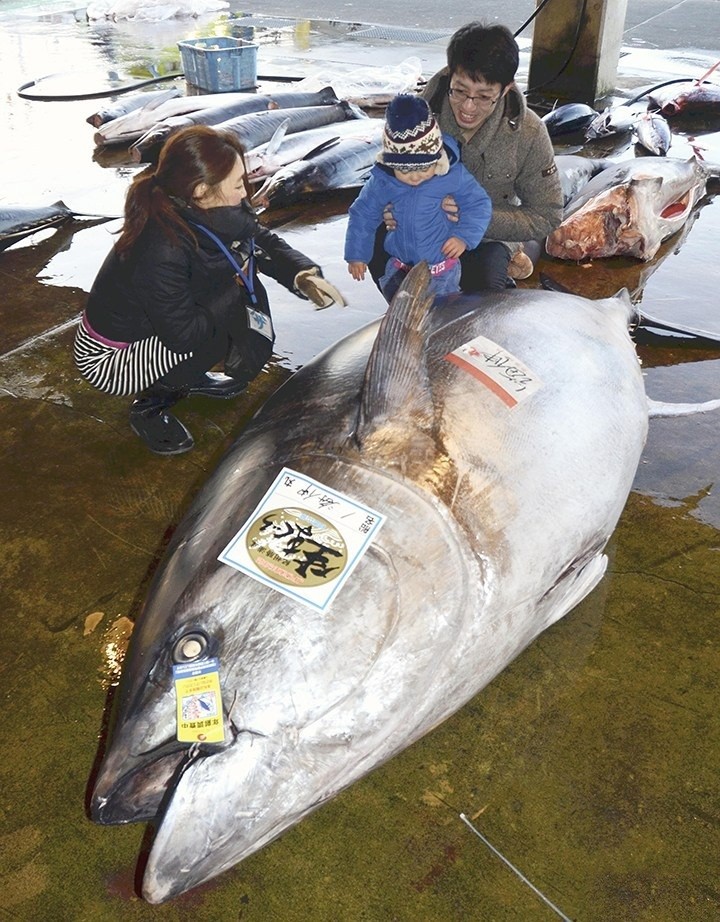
(122, 368)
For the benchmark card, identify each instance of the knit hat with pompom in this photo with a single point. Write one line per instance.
(412, 139)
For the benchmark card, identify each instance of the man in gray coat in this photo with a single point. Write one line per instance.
(504, 145)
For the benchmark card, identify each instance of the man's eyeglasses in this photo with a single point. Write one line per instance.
(462, 97)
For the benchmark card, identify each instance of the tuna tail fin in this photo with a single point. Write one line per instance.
(328, 96)
(352, 111)
(712, 170)
(396, 384)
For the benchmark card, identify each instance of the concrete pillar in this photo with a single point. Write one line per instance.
(575, 52)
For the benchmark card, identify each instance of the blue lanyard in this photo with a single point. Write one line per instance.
(247, 280)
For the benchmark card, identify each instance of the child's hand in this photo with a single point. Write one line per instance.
(453, 247)
(357, 270)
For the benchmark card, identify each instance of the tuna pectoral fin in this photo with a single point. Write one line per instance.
(657, 409)
(278, 137)
(572, 588)
(548, 283)
(396, 385)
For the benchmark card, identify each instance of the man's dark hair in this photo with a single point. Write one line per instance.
(488, 53)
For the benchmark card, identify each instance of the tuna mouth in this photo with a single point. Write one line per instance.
(677, 208)
(278, 194)
(137, 795)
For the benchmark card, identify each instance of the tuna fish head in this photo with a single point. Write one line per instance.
(701, 98)
(628, 210)
(607, 225)
(288, 183)
(611, 121)
(653, 133)
(495, 520)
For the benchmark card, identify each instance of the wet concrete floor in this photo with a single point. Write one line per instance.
(591, 762)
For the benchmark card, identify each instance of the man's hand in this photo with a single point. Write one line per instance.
(451, 209)
(357, 270)
(389, 218)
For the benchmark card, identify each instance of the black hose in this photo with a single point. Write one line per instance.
(530, 19)
(118, 90)
(573, 48)
(115, 91)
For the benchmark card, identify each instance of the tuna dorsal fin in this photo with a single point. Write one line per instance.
(321, 147)
(396, 385)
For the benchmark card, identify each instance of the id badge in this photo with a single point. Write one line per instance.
(260, 323)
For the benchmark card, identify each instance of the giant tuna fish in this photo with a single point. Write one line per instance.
(700, 98)
(147, 147)
(129, 104)
(498, 436)
(342, 163)
(257, 128)
(132, 125)
(629, 209)
(576, 171)
(283, 148)
(20, 221)
(568, 118)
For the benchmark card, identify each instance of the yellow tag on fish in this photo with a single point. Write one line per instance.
(199, 702)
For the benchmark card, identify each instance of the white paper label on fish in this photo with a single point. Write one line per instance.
(498, 369)
(303, 539)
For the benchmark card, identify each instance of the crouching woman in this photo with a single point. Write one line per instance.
(179, 291)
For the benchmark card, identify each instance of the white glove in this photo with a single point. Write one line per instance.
(321, 292)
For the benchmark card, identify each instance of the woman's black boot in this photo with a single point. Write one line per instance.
(162, 432)
(215, 384)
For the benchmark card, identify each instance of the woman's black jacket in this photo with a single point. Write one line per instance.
(179, 291)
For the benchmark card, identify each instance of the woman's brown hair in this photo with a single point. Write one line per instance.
(194, 155)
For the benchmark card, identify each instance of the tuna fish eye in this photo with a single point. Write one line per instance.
(189, 647)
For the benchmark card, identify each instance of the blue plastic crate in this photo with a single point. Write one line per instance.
(219, 64)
